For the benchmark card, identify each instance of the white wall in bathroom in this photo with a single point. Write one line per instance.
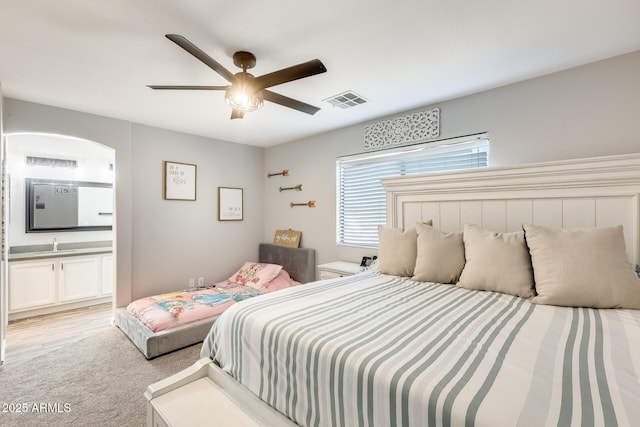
(94, 162)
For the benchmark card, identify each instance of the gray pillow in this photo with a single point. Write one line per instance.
(440, 256)
(585, 267)
(496, 262)
(397, 250)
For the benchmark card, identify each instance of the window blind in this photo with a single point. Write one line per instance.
(361, 200)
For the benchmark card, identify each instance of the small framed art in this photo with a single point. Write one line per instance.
(179, 181)
(230, 204)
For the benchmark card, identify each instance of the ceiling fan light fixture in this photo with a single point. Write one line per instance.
(246, 92)
(242, 99)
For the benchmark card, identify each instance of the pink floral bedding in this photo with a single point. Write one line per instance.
(166, 311)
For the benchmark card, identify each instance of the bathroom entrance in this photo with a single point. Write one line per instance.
(59, 217)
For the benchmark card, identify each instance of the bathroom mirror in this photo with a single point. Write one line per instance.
(56, 205)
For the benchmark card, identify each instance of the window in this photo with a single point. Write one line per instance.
(361, 200)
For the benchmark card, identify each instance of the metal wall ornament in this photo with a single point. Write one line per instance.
(417, 127)
(297, 188)
(309, 204)
(285, 172)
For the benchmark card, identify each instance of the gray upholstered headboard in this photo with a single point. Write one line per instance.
(300, 263)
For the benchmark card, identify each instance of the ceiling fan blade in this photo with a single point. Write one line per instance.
(203, 57)
(237, 113)
(306, 69)
(163, 87)
(285, 101)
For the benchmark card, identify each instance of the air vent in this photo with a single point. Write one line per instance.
(346, 99)
(51, 162)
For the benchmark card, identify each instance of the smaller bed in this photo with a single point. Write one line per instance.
(188, 327)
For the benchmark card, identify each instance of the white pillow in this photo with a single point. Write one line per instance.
(440, 256)
(585, 267)
(397, 250)
(496, 262)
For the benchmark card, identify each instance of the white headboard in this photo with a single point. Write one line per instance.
(594, 192)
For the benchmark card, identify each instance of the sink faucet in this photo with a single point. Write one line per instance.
(55, 245)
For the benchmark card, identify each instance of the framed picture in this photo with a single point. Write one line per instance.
(230, 204)
(179, 181)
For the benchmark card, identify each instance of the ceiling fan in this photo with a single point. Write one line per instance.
(246, 92)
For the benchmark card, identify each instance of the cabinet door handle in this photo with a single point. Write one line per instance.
(52, 267)
(61, 266)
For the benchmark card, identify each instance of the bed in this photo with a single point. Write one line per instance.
(379, 349)
(160, 324)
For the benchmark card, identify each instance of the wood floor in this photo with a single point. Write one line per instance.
(28, 338)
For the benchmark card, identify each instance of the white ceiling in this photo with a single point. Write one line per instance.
(97, 56)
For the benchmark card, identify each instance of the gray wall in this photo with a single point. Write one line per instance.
(591, 110)
(161, 244)
(177, 240)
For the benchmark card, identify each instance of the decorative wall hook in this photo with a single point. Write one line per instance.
(310, 203)
(297, 188)
(285, 172)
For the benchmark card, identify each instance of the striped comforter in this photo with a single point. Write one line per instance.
(377, 350)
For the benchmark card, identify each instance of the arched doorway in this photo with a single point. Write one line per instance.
(60, 261)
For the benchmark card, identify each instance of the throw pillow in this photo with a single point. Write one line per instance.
(255, 274)
(585, 267)
(440, 256)
(496, 262)
(397, 250)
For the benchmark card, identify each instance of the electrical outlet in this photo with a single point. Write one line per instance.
(200, 281)
(192, 283)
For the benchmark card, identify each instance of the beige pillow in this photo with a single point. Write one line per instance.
(397, 250)
(440, 256)
(496, 262)
(585, 267)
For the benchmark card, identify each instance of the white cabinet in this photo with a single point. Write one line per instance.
(46, 285)
(79, 278)
(35, 284)
(107, 274)
(335, 269)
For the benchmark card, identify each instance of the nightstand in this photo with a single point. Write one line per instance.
(338, 269)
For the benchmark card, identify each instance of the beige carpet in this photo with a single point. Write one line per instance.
(97, 381)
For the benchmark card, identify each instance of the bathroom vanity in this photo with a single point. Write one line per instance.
(43, 281)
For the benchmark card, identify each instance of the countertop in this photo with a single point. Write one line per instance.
(31, 252)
